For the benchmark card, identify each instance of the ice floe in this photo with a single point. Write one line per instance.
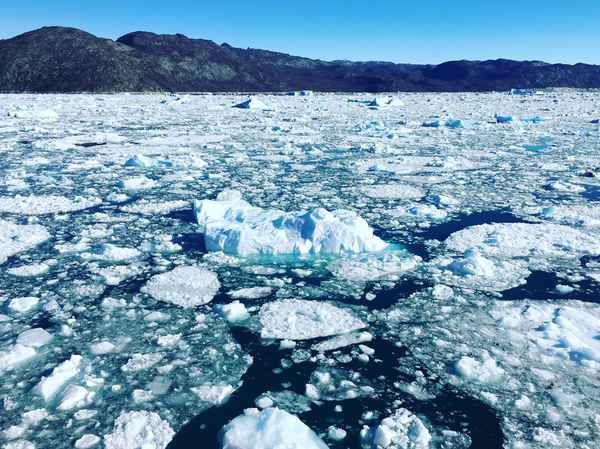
(15, 238)
(46, 204)
(184, 286)
(302, 320)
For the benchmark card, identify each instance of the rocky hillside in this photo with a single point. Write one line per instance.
(57, 59)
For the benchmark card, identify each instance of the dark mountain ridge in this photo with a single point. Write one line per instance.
(58, 59)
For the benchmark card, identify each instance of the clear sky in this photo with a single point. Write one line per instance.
(421, 31)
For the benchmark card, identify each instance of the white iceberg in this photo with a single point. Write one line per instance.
(233, 226)
(270, 428)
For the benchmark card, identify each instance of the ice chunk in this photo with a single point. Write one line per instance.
(137, 183)
(523, 240)
(111, 253)
(432, 123)
(102, 347)
(49, 386)
(270, 428)
(214, 394)
(250, 293)
(86, 441)
(233, 312)
(14, 356)
(251, 103)
(402, 430)
(295, 319)
(503, 118)
(15, 238)
(185, 286)
(393, 191)
(420, 211)
(381, 102)
(45, 204)
(35, 337)
(141, 161)
(32, 270)
(235, 227)
(484, 371)
(24, 304)
(140, 429)
(74, 396)
(453, 123)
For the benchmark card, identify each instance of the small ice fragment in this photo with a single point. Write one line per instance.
(87, 441)
(453, 123)
(503, 118)
(250, 293)
(73, 396)
(264, 402)
(336, 434)
(214, 394)
(233, 312)
(564, 289)
(137, 183)
(102, 347)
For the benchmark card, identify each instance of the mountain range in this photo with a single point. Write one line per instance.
(59, 59)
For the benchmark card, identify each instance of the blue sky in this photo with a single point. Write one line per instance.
(423, 31)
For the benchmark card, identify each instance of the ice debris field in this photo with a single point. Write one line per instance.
(415, 271)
